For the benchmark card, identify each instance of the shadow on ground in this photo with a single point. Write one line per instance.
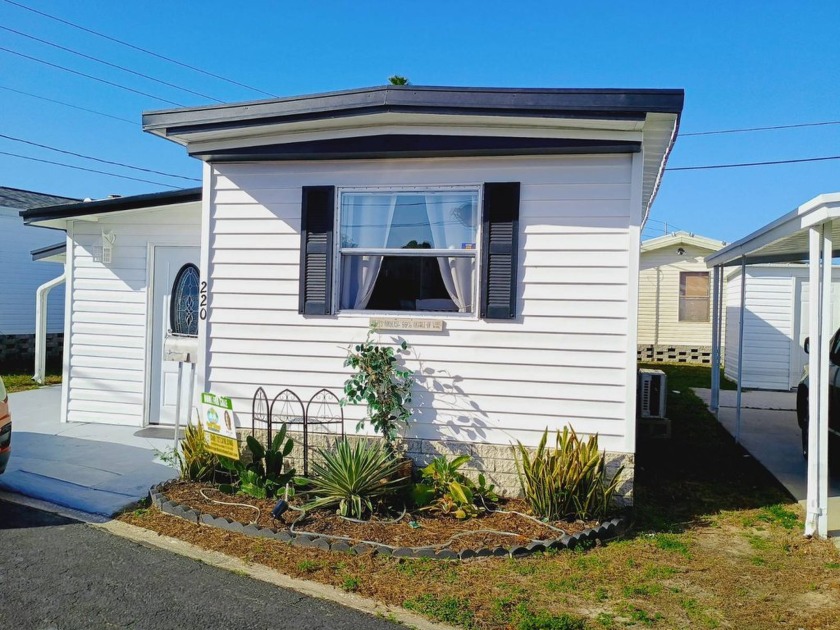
(699, 471)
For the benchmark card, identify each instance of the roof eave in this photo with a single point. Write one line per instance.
(591, 103)
(50, 214)
(822, 208)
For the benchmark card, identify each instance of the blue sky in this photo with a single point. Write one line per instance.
(742, 64)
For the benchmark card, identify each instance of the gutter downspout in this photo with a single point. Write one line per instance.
(41, 295)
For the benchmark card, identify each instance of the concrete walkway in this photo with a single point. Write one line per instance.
(770, 433)
(94, 468)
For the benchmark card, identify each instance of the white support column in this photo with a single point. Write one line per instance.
(715, 402)
(741, 349)
(41, 296)
(819, 331)
(202, 366)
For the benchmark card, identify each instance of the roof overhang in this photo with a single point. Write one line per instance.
(681, 238)
(786, 238)
(51, 253)
(57, 216)
(418, 122)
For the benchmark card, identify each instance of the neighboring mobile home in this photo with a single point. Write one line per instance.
(775, 323)
(495, 230)
(675, 323)
(20, 277)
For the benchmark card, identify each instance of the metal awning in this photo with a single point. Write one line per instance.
(808, 233)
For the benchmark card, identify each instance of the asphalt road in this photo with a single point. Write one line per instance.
(57, 573)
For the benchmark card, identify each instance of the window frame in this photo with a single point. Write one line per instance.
(173, 292)
(681, 297)
(478, 189)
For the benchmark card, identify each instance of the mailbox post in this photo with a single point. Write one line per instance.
(182, 349)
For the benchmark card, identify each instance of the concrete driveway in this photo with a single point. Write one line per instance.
(770, 433)
(94, 468)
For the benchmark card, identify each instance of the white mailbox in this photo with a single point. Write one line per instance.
(180, 348)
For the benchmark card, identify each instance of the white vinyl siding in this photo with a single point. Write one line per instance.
(109, 331)
(775, 324)
(20, 276)
(659, 297)
(563, 360)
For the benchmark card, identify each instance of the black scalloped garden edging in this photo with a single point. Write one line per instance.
(605, 531)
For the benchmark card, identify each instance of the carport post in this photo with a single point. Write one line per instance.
(741, 348)
(820, 246)
(716, 277)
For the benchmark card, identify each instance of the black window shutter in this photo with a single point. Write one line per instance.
(500, 244)
(316, 250)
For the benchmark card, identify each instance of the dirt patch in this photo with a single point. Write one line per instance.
(500, 528)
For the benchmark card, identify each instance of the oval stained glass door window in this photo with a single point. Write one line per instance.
(184, 303)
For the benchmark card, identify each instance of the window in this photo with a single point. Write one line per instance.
(184, 303)
(410, 250)
(694, 296)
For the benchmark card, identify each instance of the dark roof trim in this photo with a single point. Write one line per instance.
(49, 250)
(621, 104)
(416, 146)
(116, 204)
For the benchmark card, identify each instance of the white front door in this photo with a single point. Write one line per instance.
(163, 393)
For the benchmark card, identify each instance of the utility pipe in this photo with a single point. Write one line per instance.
(41, 295)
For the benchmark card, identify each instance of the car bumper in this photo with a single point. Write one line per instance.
(5, 445)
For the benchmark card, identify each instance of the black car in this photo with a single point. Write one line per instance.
(833, 399)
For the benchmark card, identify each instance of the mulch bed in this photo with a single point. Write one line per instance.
(433, 530)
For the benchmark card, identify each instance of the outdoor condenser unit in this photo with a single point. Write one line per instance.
(652, 390)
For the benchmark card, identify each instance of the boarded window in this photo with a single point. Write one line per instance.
(694, 296)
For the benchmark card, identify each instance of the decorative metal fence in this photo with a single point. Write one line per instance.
(322, 411)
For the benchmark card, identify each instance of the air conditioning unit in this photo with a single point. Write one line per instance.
(652, 390)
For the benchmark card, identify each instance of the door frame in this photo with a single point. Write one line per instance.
(150, 315)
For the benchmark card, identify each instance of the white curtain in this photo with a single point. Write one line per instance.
(366, 222)
(452, 219)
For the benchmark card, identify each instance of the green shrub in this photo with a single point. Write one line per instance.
(382, 385)
(569, 480)
(445, 489)
(263, 477)
(351, 478)
(195, 462)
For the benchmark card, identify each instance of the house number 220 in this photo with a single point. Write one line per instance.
(202, 301)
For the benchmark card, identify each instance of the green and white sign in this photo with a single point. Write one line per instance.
(219, 422)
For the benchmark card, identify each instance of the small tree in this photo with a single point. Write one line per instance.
(382, 385)
(398, 80)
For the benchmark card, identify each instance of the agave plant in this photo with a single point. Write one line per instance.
(263, 477)
(351, 478)
(568, 480)
(196, 463)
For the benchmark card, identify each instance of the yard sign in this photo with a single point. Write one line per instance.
(216, 414)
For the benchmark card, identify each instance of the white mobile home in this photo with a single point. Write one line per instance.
(675, 321)
(775, 323)
(122, 258)
(20, 277)
(496, 231)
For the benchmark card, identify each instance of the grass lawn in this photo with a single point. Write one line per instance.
(19, 382)
(716, 543)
